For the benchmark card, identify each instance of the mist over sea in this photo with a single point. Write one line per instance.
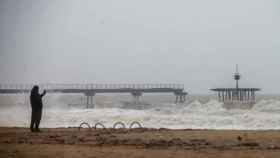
(154, 111)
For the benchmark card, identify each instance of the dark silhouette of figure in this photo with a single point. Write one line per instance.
(37, 106)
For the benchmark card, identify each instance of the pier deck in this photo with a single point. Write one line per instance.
(89, 90)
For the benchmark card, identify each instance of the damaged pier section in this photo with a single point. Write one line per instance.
(240, 95)
(237, 95)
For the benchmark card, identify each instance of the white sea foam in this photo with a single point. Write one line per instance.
(195, 114)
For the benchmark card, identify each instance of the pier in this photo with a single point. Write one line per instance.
(231, 95)
(237, 95)
(90, 90)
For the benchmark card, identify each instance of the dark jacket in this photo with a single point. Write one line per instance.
(36, 99)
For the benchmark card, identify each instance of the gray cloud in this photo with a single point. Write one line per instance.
(195, 42)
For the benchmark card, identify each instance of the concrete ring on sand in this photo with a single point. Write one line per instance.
(119, 123)
(135, 123)
(100, 124)
(84, 123)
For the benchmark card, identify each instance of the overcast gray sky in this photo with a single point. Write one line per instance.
(194, 42)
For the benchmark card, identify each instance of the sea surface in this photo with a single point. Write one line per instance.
(154, 111)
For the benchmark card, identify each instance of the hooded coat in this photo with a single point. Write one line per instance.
(36, 99)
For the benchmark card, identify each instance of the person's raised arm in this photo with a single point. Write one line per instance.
(44, 93)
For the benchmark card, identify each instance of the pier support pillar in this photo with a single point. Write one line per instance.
(180, 97)
(90, 101)
(136, 95)
(253, 97)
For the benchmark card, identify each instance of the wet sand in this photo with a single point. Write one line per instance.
(138, 143)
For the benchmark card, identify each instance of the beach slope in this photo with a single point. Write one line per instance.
(138, 143)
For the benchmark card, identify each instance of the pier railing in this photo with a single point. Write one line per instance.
(92, 86)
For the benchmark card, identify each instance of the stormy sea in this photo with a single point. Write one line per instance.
(153, 111)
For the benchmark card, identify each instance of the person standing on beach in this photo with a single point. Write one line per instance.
(37, 106)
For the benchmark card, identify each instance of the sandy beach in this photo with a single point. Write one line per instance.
(140, 143)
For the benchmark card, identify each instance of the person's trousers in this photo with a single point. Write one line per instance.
(36, 116)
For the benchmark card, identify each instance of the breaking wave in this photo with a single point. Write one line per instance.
(61, 111)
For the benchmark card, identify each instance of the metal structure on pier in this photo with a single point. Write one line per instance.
(90, 90)
(237, 95)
